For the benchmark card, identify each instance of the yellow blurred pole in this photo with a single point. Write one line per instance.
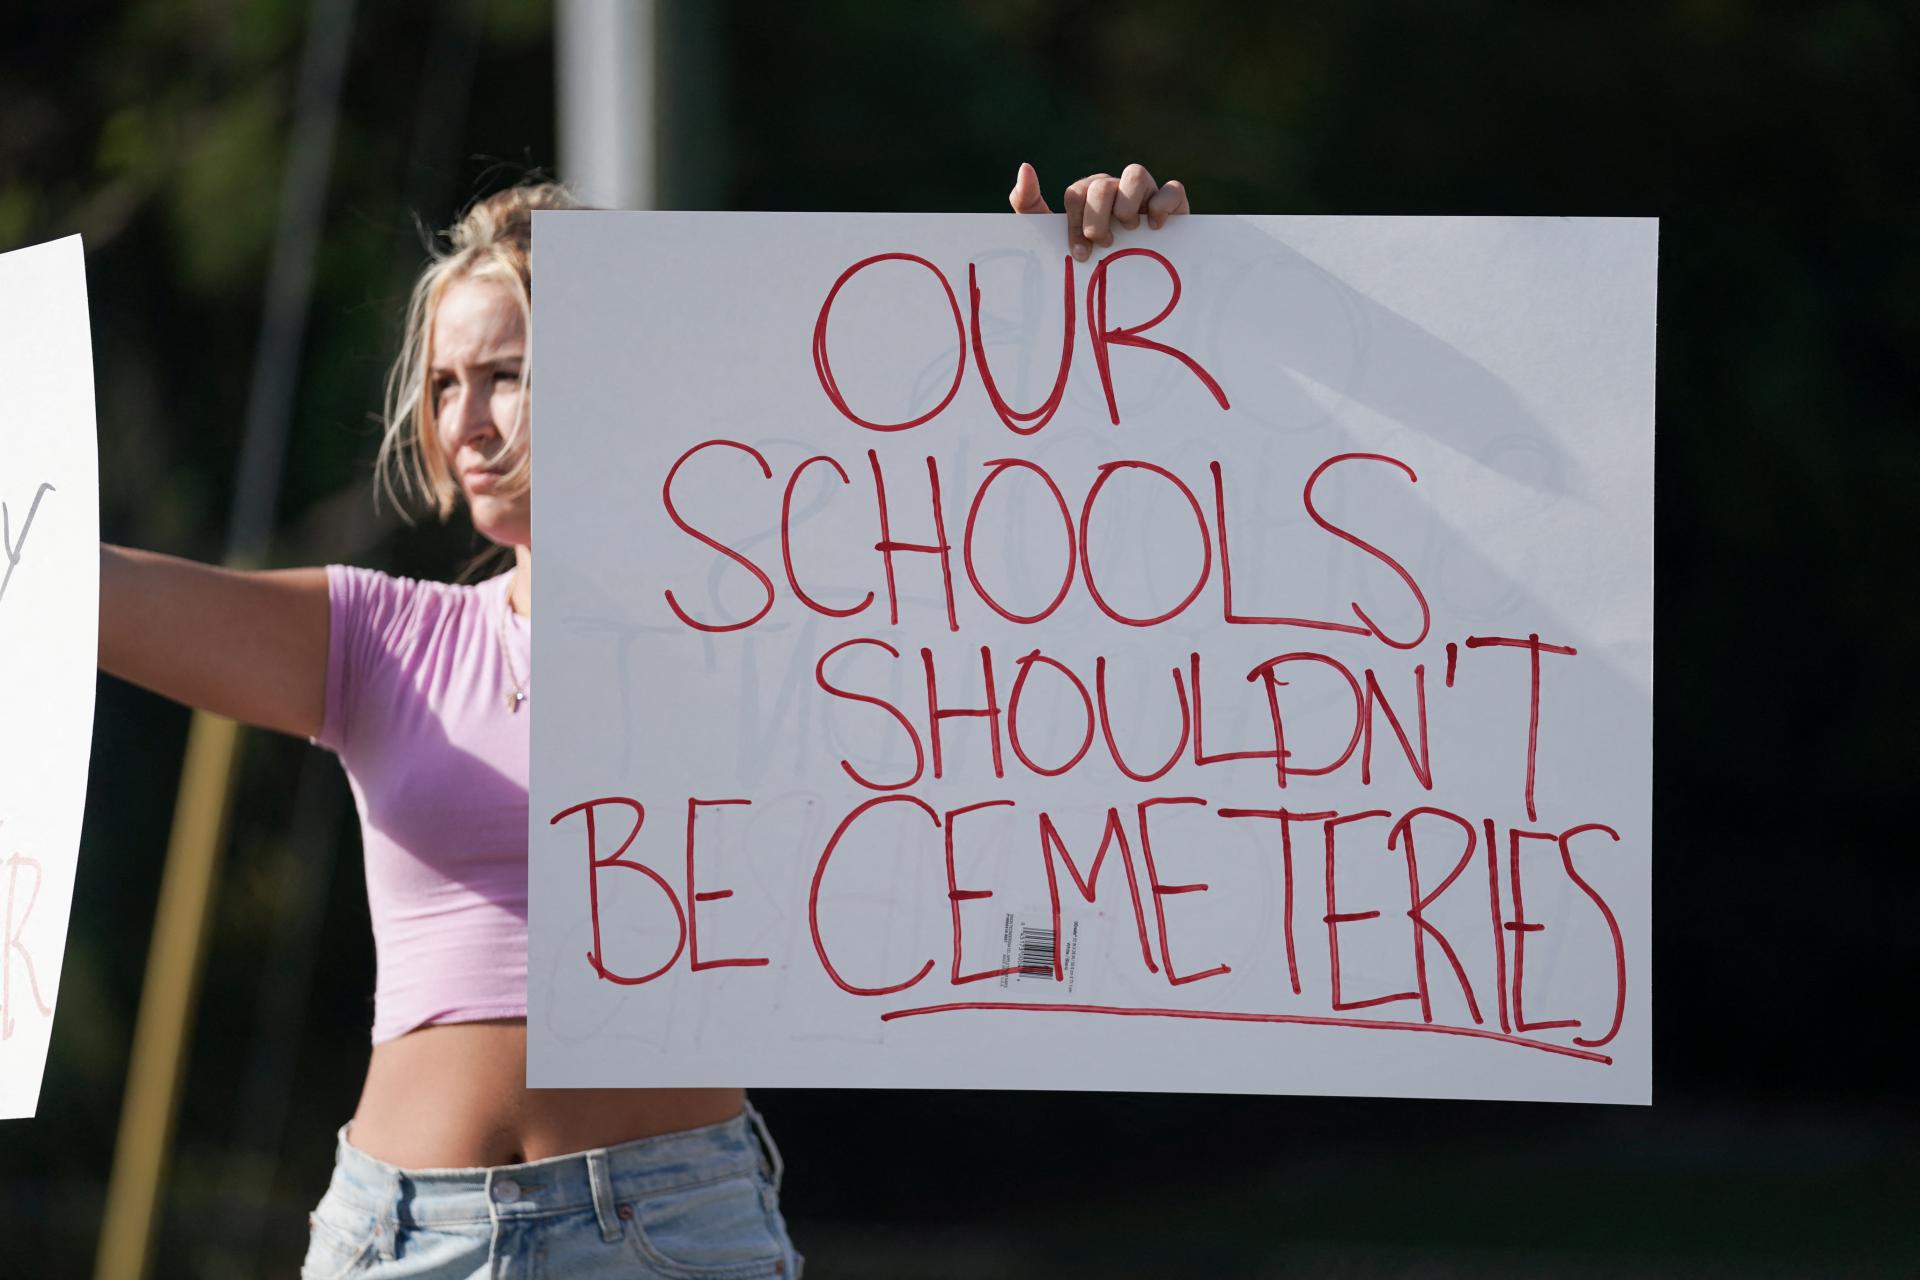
(169, 998)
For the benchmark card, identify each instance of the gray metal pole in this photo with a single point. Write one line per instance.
(605, 73)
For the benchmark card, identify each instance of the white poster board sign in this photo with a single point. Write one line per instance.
(1224, 665)
(49, 638)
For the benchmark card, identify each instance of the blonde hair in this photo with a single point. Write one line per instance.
(492, 241)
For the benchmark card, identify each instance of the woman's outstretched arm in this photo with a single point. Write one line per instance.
(249, 646)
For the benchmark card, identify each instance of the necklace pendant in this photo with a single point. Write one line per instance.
(514, 698)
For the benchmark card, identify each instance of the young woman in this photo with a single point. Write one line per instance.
(450, 1165)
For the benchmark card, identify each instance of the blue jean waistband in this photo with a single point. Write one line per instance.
(594, 1179)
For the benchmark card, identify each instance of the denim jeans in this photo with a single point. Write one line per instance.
(701, 1204)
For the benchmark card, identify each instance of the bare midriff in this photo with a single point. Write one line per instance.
(455, 1096)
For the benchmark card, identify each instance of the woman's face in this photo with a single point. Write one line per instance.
(479, 347)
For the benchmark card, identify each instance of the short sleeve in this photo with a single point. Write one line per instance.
(365, 611)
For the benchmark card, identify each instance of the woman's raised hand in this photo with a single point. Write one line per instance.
(1099, 202)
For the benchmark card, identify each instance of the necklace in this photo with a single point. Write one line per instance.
(516, 692)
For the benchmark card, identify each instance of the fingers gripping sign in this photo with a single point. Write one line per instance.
(1025, 196)
(1098, 202)
(1131, 193)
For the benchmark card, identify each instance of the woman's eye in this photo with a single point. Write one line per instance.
(509, 377)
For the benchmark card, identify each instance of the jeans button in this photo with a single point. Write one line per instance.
(506, 1191)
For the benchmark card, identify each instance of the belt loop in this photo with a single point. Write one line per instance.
(601, 1179)
(387, 1229)
(495, 1227)
(772, 1148)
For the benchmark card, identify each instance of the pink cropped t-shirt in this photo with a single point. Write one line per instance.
(418, 678)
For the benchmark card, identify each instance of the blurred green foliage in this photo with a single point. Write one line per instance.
(1775, 141)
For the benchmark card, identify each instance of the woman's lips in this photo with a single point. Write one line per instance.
(481, 479)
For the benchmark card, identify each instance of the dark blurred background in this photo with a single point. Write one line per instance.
(1776, 142)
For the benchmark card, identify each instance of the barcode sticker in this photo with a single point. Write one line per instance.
(1031, 947)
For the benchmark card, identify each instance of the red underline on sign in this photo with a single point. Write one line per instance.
(1222, 1015)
